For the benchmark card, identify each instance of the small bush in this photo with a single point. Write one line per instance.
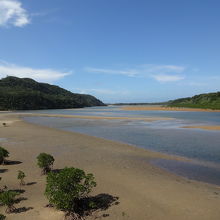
(3, 154)
(2, 217)
(45, 162)
(7, 198)
(21, 176)
(66, 188)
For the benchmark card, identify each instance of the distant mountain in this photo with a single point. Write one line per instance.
(27, 94)
(206, 101)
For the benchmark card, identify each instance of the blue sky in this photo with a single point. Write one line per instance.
(117, 50)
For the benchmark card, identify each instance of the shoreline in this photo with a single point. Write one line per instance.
(144, 191)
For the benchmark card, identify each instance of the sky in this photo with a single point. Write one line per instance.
(116, 50)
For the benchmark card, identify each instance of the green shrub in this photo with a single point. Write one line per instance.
(3, 154)
(45, 162)
(66, 188)
(21, 176)
(2, 217)
(7, 198)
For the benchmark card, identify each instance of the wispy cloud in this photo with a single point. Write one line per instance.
(12, 13)
(44, 75)
(161, 73)
(126, 72)
(167, 78)
(100, 91)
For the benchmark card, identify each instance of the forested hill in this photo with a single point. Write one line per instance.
(27, 94)
(207, 101)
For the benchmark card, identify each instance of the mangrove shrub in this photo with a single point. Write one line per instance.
(45, 162)
(66, 188)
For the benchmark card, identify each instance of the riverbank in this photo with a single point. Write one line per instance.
(144, 191)
(164, 108)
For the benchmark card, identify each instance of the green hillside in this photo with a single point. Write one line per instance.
(27, 94)
(206, 101)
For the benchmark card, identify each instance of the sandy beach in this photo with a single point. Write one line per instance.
(144, 192)
(161, 108)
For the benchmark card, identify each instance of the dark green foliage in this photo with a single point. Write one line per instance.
(26, 94)
(21, 176)
(45, 162)
(2, 217)
(65, 188)
(205, 101)
(7, 198)
(3, 154)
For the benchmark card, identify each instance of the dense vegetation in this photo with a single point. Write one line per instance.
(67, 189)
(206, 101)
(3, 154)
(27, 94)
(45, 162)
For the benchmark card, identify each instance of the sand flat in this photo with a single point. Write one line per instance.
(161, 108)
(144, 191)
(205, 127)
(103, 117)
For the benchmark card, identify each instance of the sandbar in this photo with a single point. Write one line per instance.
(163, 108)
(205, 127)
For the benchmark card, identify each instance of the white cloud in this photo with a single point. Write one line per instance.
(167, 78)
(161, 73)
(101, 91)
(126, 72)
(44, 75)
(12, 13)
(164, 68)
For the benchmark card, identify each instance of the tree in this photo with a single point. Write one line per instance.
(3, 154)
(21, 176)
(66, 188)
(45, 162)
(7, 198)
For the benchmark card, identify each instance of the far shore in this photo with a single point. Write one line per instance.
(164, 108)
(124, 171)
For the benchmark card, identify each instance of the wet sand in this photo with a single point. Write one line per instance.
(144, 191)
(161, 108)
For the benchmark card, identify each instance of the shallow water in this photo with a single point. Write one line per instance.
(163, 136)
(3, 139)
(190, 170)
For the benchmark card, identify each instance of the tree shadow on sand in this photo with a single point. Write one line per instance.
(3, 170)
(22, 209)
(93, 205)
(18, 200)
(12, 162)
(31, 183)
(20, 191)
